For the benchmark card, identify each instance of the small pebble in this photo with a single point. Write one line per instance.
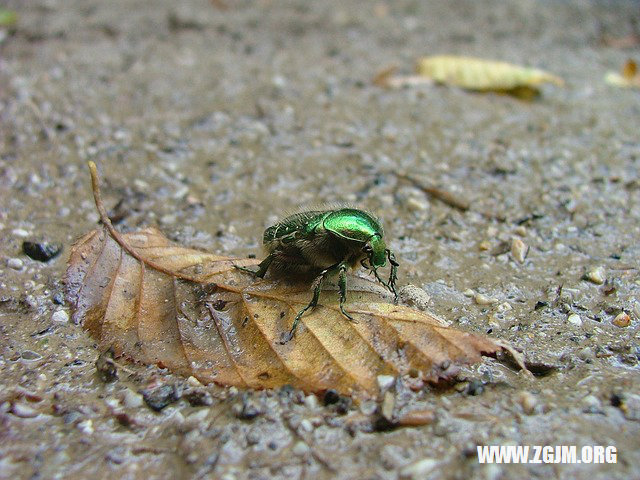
(415, 297)
(592, 404)
(86, 427)
(20, 233)
(23, 411)
(30, 355)
(246, 408)
(131, 399)
(198, 417)
(385, 382)
(595, 275)
(519, 250)
(484, 245)
(311, 401)
(504, 307)
(330, 397)
(300, 448)
(419, 469)
(521, 230)
(306, 425)
(416, 418)
(475, 387)
(528, 402)
(622, 320)
(482, 299)
(159, 397)
(60, 316)
(198, 397)
(631, 406)
(368, 407)
(15, 263)
(417, 205)
(106, 367)
(41, 251)
(586, 354)
(193, 382)
(388, 404)
(168, 219)
(575, 319)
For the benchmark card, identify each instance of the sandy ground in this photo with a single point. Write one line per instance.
(212, 123)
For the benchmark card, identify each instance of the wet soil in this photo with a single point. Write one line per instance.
(213, 122)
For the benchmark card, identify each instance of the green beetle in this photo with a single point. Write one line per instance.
(322, 242)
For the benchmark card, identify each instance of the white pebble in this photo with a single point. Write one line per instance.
(519, 250)
(311, 401)
(388, 404)
(482, 299)
(15, 263)
(306, 425)
(132, 399)
(168, 219)
(368, 407)
(385, 382)
(20, 233)
(86, 427)
(575, 319)
(419, 469)
(60, 316)
(592, 402)
(193, 381)
(417, 205)
(528, 402)
(596, 276)
(23, 411)
(504, 307)
(300, 448)
(521, 230)
(111, 402)
(199, 417)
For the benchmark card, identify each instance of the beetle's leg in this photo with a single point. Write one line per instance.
(262, 267)
(393, 276)
(379, 278)
(312, 303)
(342, 285)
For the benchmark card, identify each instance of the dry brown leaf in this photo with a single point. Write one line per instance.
(629, 77)
(485, 75)
(194, 313)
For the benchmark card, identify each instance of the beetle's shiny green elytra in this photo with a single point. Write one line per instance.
(323, 242)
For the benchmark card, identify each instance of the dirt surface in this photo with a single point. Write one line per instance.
(213, 122)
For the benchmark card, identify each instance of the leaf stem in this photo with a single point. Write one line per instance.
(106, 221)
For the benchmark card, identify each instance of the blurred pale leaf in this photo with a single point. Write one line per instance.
(629, 77)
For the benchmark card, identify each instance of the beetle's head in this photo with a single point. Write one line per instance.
(376, 251)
